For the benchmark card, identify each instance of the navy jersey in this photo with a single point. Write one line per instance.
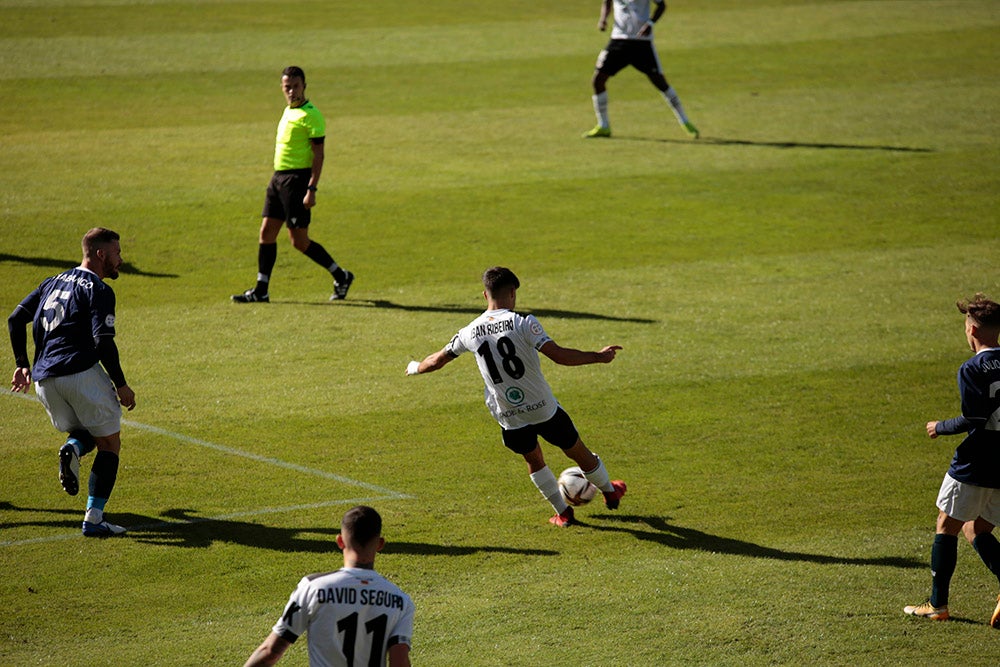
(70, 312)
(977, 459)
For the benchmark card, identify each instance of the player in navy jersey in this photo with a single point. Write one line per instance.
(506, 346)
(77, 373)
(353, 616)
(969, 499)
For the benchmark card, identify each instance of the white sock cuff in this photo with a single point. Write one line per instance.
(599, 476)
(546, 483)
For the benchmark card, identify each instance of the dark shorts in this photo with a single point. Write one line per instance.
(558, 430)
(620, 53)
(285, 193)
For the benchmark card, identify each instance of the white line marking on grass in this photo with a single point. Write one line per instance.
(386, 494)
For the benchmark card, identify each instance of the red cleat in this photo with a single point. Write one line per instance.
(563, 520)
(611, 499)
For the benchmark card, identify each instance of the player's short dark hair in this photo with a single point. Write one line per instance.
(97, 238)
(498, 278)
(985, 312)
(361, 525)
(292, 71)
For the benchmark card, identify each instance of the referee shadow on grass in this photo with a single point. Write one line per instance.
(185, 529)
(467, 310)
(657, 529)
(718, 141)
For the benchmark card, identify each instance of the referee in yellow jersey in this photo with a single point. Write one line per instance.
(291, 194)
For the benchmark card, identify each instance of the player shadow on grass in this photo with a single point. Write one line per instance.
(183, 529)
(65, 265)
(718, 141)
(656, 529)
(73, 517)
(546, 313)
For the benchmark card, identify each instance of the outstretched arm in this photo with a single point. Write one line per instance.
(431, 362)
(567, 356)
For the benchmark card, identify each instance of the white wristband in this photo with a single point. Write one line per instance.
(413, 368)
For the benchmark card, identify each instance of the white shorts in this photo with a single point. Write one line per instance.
(966, 502)
(86, 400)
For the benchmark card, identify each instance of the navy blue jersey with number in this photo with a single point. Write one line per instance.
(69, 313)
(977, 459)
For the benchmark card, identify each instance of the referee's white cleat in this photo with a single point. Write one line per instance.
(102, 529)
(69, 469)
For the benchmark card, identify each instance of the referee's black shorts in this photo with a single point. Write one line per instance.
(285, 193)
(620, 53)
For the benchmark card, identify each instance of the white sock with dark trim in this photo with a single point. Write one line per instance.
(549, 488)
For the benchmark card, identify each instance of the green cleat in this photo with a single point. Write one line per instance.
(692, 130)
(598, 131)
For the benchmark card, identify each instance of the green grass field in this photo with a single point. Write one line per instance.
(783, 289)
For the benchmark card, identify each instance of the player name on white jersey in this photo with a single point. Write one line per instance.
(492, 328)
(366, 597)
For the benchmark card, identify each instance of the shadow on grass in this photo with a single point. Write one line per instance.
(73, 520)
(464, 310)
(718, 141)
(182, 528)
(65, 265)
(656, 529)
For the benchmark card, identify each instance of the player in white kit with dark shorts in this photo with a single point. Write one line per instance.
(506, 346)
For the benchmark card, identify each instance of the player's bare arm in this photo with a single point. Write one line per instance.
(932, 429)
(319, 153)
(399, 655)
(645, 30)
(269, 652)
(602, 23)
(567, 356)
(431, 362)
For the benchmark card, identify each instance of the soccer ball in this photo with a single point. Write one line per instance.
(575, 488)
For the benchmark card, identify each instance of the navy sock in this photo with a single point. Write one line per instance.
(989, 550)
(86, 441)
(944, 556)
(103, 474)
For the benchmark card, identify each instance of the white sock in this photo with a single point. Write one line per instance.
(93, 515)
(601, 108)
(670, 95)
(549, 487)
(599, 476)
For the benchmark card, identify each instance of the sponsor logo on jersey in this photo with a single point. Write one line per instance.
(523, 409)
(514, 395)
(109, 321)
